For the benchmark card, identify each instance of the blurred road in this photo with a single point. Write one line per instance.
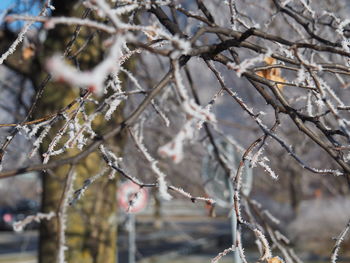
(18, 247)
(177, 238)
(173, 239)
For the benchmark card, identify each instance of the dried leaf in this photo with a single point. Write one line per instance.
(275, 260)
(273, 74)
(28, 52)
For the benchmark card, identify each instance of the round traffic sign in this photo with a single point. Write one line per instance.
(132, 198)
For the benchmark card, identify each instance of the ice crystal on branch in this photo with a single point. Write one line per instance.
(179, 57)
(20, 225)
(92, 80)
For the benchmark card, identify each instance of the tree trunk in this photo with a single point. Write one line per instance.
(91, 233)
(91, 223)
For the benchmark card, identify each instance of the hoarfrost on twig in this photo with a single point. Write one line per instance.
(20, 225)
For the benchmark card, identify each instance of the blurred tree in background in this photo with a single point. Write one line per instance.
(91, 232)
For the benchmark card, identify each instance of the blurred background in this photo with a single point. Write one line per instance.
(311, 210)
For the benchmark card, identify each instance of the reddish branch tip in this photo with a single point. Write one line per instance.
(9, 19)
(174, 158)
(92, 88)
(162, 153)
(60, 79)
(49, 24)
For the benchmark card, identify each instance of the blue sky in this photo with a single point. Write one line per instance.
(6, 3)
(21, 6)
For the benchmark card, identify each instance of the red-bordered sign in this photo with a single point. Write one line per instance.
(132, 198)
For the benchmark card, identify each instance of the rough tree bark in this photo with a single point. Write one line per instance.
(91, 231)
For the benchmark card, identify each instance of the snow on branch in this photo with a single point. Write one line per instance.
(222, 254)
(163, 188)
(93, 80)
(314, 53)
(174, 148)
(20, 225)
(267, 168)
(247, 63)
(189, 196)
(294, 155)
(80, 192)
(196, 115)
(340, 239)
(23, 32)
(62, 215)
(113, 162)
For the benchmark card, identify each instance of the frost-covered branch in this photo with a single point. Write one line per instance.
(20, 225)
(22, 33)
(340, 239)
